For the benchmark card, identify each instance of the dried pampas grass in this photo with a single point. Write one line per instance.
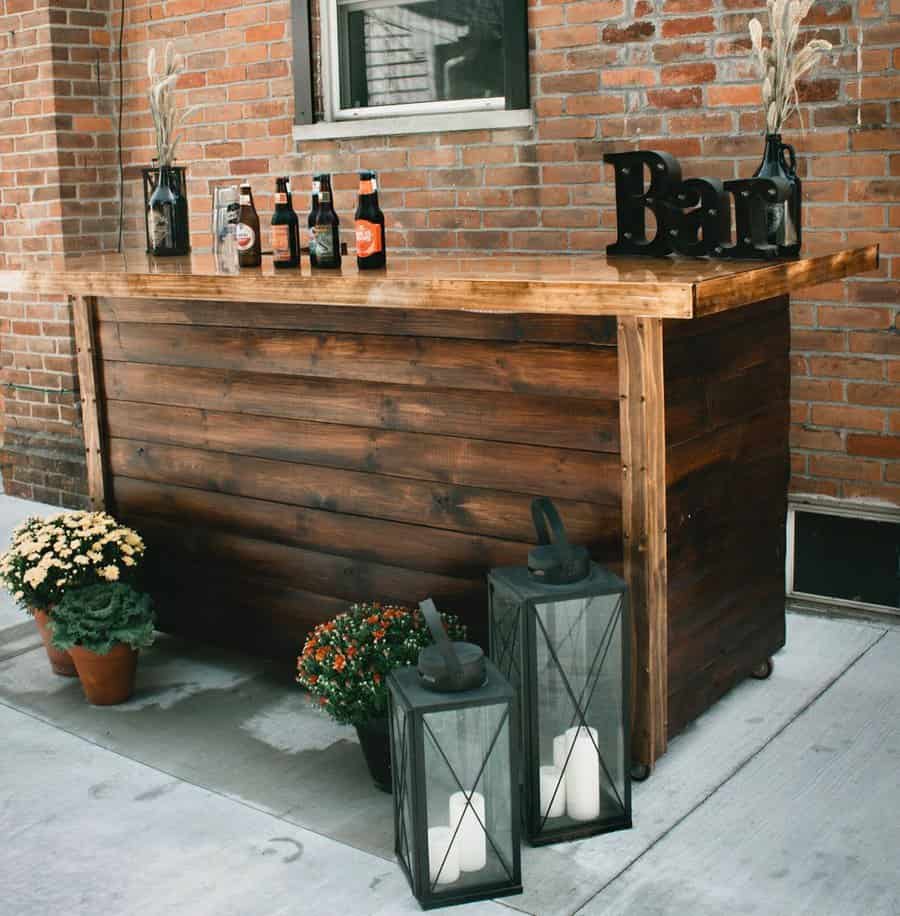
(166, 118)
(780, 65)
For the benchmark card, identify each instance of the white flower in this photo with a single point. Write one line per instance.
(82, 560)
(110, 573)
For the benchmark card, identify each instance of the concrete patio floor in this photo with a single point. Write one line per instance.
(218, 790)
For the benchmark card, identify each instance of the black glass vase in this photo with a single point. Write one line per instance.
(782, 219)
(165, 197)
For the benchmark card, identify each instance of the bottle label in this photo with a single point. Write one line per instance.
(159, 220)
(368, 238)
(368, 186)
(281, 243)
(246, 237)
(280, 198)
(245, 200)
(322, 241)
(325, 197)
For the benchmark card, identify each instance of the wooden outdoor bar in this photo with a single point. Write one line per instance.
(289, 443)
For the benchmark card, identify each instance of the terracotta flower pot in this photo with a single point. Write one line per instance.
(106, 679)
(60, 660)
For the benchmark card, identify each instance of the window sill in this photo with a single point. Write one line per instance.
(414, 124)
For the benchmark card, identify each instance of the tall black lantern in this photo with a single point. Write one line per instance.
(560, 633)
(454, 746)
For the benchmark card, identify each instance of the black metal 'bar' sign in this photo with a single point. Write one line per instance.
(692, 217)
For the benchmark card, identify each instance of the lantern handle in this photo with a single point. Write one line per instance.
(441, 639)
(542, 508)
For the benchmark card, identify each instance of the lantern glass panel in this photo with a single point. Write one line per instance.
(579, 698)
(402, 766)
(467, 757)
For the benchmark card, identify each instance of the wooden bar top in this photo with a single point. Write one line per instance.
(502, 283)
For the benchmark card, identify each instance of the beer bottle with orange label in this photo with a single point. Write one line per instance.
(370, 243)
(285, 228)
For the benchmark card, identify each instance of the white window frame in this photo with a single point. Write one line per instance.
(383, 120)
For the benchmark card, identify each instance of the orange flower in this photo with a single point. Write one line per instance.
(376, 677)
(323, 701)
(312, 679)
(339, 662)
(372, 618)
(322, 652)
(351, 651)
(378, 634)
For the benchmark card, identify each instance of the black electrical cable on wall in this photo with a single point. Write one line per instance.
(119, 130)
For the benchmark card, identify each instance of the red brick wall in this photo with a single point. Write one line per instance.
(57, 184)
(605, 75)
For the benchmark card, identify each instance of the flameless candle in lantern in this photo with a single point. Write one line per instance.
(454, 747)
(560, 633)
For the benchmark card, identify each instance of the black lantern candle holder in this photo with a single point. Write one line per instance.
(560, 633)
(454, 747)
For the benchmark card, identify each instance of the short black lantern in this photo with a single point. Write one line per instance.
(454, 746)
(560, 633)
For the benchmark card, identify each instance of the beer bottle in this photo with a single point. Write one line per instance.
(370, 242)
(325, 243)
(285, 228)
(311, 219)
(248, 241)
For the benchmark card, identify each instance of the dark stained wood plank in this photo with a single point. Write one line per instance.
(725, 445)
(642, 435)
(293, 567)
(465, 509)
(538, 470)
(90, 396)
(324, 318)
(675, 330)
(569, 423)
(703, 685)
(524, 368)
(252, 615)
(731, 352)
(375, 540)
(694, 407)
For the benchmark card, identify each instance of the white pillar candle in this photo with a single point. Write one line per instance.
(583, 779)
(562, 744)
(443, 859)
(553, 792)
(471, 841)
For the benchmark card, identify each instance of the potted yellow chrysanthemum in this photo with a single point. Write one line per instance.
(49, 557)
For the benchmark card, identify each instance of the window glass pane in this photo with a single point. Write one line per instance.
(419, 51)
(467, 757)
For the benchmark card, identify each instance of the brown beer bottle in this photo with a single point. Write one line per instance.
(325, 243)
(371, 250)
(249, 244)
(285, 228)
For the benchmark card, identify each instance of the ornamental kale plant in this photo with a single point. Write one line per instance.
(50, 556)
(345, 661)
(99, 616)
